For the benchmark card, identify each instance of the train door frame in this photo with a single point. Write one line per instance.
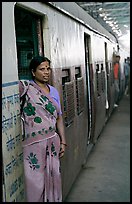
(89, 87)
(106, 79)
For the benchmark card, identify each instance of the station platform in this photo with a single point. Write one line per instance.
(105, 177)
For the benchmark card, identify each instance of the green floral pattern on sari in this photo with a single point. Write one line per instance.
(53, 151)
(48, 105)
(33, 161)
(50, 108)
(29, 109)
(38, 120)
(44, 97)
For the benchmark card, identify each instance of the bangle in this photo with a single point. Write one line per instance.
(63, 143)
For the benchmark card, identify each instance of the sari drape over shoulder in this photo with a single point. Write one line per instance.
(40, 112)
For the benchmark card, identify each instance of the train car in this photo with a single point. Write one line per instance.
(81, 53)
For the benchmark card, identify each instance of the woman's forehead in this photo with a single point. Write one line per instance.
(44, 64)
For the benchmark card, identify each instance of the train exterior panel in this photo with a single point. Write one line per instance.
(82, 55)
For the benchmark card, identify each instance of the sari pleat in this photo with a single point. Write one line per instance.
(43, 181)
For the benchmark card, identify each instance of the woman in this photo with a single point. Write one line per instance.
(42, 146)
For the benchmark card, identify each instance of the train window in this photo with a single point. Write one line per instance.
(68, 97)
(28, 39)
(79, 90)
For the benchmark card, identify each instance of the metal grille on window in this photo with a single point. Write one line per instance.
(79, 90)
(80, 85)
(69, 90)
(68, 97)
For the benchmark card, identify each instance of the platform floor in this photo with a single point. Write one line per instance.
(106, 175)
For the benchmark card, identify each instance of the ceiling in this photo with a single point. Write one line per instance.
(114, 16)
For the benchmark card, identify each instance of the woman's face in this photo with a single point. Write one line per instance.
(42, 72)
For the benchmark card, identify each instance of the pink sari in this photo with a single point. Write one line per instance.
(41, 146)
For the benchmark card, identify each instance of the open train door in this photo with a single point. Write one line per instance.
(89, 88)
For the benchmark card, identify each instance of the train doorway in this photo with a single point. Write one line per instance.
(29, 42)
(89, 75)
(106, 81)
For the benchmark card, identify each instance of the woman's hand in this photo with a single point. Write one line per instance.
(62, 149)
(61, 132)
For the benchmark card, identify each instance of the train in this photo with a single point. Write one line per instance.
(82, 53)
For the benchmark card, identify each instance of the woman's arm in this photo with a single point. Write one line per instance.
(21, 88)
(61, 132)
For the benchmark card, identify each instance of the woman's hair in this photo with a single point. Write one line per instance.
(36, 61)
